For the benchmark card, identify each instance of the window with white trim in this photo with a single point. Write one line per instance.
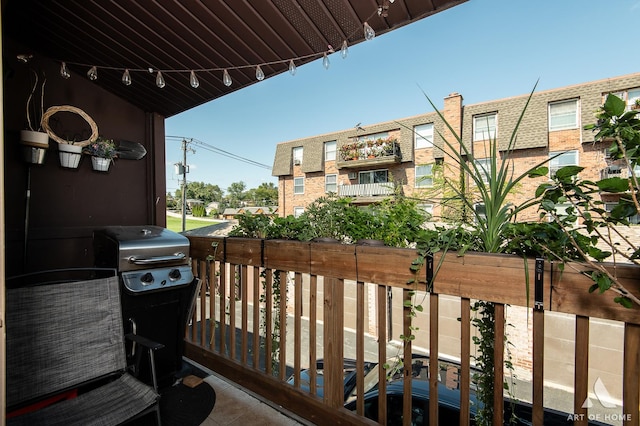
(484, 127)
(331, 183)
(423, 135)
(373, 176)
(298, 185)
(330, 151)
(633, 96)
(569, 158)
(427, 208)
(298, 211)
(562, 211)
(484, 168)
(297, 155)
(635, 219)
(424, 176)
(481, 210)
(563, 115)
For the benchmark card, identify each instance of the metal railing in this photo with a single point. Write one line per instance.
(366, 190)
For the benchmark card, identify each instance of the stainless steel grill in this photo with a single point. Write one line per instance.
(157, 288)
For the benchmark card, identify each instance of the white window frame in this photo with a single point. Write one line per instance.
(483, 127)
(561, 210)
(298, 183)
(427, 208)
(298, 152)
(632, 95)
(484, 164)
(330, 149)
(562, 160)
(331, 186)
(560, 115)
(635, 219)
(373, 174)
(298, 211)
(424, 180)
(476, 207)
(423, 135)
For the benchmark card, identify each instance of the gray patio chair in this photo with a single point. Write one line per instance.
(64, 336)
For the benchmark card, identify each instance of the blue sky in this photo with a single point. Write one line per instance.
(482, 49)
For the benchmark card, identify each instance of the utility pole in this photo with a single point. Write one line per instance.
(183, 169)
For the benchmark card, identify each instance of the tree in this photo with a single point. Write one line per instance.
(264, 195)
(236, 194)
(205, 192)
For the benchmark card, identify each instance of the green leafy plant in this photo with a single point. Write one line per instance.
(580, 201)
(491, 184)
(198, 210)
(102, 147)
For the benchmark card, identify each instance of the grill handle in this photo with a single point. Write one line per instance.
(153, 260)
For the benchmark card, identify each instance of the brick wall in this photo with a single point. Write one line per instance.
(534, 142)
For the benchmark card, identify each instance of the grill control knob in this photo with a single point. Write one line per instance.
(147, 278)
(175, 274)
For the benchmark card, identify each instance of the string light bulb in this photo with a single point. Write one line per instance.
(369, 34)
(64, 71)
(259, 73)
(226, 78)
(93, 73)
(193, 80)
(160, 80)
(126, 78)
(325, 61)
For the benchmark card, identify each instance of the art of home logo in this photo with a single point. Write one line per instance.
(605, 400)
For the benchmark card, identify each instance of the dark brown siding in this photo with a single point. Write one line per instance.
(66, 205)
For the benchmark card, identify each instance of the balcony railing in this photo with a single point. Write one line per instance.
(366, 190)
(270, 308)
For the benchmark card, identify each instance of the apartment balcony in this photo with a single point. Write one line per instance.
(376, 153)
(366, 192)
(269, 310)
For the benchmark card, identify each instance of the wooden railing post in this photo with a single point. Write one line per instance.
(333, 341)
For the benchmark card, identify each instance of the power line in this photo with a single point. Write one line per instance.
(222, 152)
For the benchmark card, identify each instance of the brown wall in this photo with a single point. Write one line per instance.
(66, 205)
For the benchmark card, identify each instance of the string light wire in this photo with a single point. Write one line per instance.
(226, 78)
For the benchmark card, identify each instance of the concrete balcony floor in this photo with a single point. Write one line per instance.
(235, 406)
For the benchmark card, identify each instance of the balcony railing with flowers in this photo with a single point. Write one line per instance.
(381, 150)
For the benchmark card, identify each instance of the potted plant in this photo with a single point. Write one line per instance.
(102, 152)
(34, 140)
(70, 152)
(636, 104)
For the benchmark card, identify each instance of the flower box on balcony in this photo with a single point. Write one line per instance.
(363, 153)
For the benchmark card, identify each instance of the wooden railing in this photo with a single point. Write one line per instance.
(335, 288)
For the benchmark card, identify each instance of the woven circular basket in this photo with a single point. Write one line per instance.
(68, 108)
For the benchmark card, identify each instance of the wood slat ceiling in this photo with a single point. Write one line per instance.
(205, 35)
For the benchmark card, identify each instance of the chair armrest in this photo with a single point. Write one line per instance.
(143, 341)
(151, 347)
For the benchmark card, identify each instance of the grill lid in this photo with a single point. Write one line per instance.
(139, 247)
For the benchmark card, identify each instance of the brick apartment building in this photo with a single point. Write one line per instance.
(365, 164)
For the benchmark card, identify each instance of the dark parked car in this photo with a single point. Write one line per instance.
(448, 404)
(449, 370)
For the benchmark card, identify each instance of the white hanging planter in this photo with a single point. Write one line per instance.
(34, 146)
(100, 164)
(69, 155)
